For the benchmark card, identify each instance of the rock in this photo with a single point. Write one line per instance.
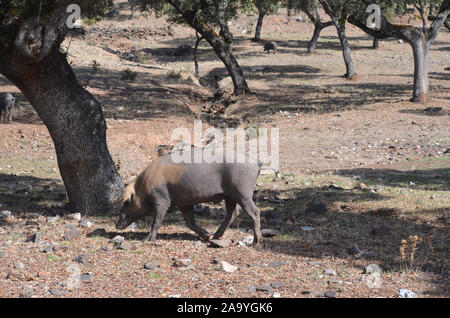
(222, 243)
(85, 223)
(123, 245)
(251, 289)
(48, 249)
(58, 291)
(117, 239)
(318, 208)
(60, 248)
(400, 41)
(353, 250)
(35, 238)
(276, 295)
(330, 294)
(105, 248)
(184, 262)
(405, 293)
(86, 278)
(72, 234)
(81, 259)
(2, 254)
(264, 288)
(307, 228)
(277, 285)
(19, 265)
(175, 296)
(314, 263)
(361, 186)
(276, 264)
(269, 232)
(151, 265)
(74, 216)
(226, 267)
(197, 243)
(372, 269)
(26, 292)
(5, 214)
(330, 272)
(52, 219)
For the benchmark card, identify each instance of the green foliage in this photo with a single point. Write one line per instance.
(128, 75)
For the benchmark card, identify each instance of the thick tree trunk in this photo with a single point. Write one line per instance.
(346, 52)
(420, 48)
(259, 26)
(76, 124)
(133, 8)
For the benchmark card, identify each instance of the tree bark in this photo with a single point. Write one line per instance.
(259, 26)
(346, 52)
(421, 49)
(197, 42)
(76, 124)
(318, 27)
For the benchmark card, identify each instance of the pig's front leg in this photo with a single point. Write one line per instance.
(160, 213)
(188, 214)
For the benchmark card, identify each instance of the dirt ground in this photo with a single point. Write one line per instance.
(361, 169)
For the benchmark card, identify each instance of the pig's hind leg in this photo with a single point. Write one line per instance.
(250, 208)
(188, 214)
(232, 214)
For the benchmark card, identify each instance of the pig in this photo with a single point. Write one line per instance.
(270, 46)
(7, 102)
(166, 183)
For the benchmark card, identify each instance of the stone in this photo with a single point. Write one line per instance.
(35, 238)
(74, 216)
(269, 232)
(81, 259)
(307, 228)
(52, 219)
(105, 248)
(222, 243)
(60, 248)
(58, 291)
(314, 263)
(276, 295)
(86, 278)
(227, 267)
(18, 275)
(117, 239)
(85, 223)
(48, 249)
(19, 265)
(372, 269)
(5, 214)
(2, 254)
(123, 245)
(277, 285)
(72, 234)
(330, 294)
(264, 288)
(330, 272)
(26, 292)
(184, 262)
(151, 265)
(405, 293)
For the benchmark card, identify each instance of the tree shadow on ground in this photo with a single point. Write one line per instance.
(28, 193)
(437, 179)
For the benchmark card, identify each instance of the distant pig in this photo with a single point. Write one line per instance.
(166, 184)
(7, 102)
(270, 46)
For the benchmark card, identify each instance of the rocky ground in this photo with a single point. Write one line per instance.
(361, 169)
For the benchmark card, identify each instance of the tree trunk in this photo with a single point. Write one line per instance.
(234, 69)
(197, 42)
(376, 43)
(346, 52)
(420, 48)
(76, 124)
(259, 26)
(133, 8)
(318, 27)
